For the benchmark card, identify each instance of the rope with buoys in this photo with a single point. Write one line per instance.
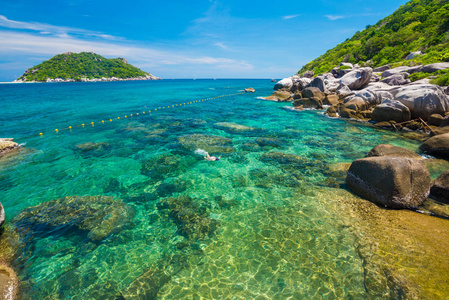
(58, 130)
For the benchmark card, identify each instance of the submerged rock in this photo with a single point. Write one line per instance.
(166, 165)
(190, 217)
(147, 285)
(289, 162)
(440, 188)
(233, 127)
(395, 182)
(270, 142)
(210, 143)
(92, 146)
(99, 216)
(390, 150)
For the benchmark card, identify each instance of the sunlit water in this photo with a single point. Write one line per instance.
(249, 226)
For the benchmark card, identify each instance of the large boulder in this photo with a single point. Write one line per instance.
(402, 69)
(391, 110)
(381, 68)
(313, 102)
(435, 67)
(381, 96)
(358, 78)
(375, 78)
(437, 146)
(369, 96)
(357, 104)
(318, 82)
(413, 55)
(423, 100)
(395, 182)
(285, 83)
(444, 121)
(308, 74)
(390, 150)
(331, 99)
(7, 145)
(9, 283)
(2, 215)
(279, 96)
(313, 92)
(343, 91)
(299, 84)
(398, 79)
(435, 120)
(440, 188)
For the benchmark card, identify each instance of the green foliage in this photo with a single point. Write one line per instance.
(418, 76)
(78, 65)
(418, 25)
(344, 67)
(442, 77)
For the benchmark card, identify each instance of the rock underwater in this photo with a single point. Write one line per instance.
(98, 216)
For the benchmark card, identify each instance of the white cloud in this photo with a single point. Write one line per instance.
(334, 17)
(52, 29)
(289, 17)
(221, 45)
(25, 44)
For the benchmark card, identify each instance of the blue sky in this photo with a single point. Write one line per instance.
(183, 39)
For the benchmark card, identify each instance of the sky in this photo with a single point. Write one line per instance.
(184, 38)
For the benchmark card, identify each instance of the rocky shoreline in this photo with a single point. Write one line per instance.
(382, 95)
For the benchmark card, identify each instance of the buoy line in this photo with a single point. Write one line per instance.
(149, 112)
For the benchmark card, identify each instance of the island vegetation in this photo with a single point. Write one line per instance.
(419, 26)
(84, 66)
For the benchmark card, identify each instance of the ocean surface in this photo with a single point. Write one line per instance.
(125, 208)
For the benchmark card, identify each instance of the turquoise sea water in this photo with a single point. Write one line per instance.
(162, 222)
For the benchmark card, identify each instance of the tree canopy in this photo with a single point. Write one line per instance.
(419, 25)
(78, 65)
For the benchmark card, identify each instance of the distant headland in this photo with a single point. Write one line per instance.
(84, 67)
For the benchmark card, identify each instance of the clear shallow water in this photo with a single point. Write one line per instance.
(175, 226)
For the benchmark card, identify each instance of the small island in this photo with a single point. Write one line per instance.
(84, 67)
